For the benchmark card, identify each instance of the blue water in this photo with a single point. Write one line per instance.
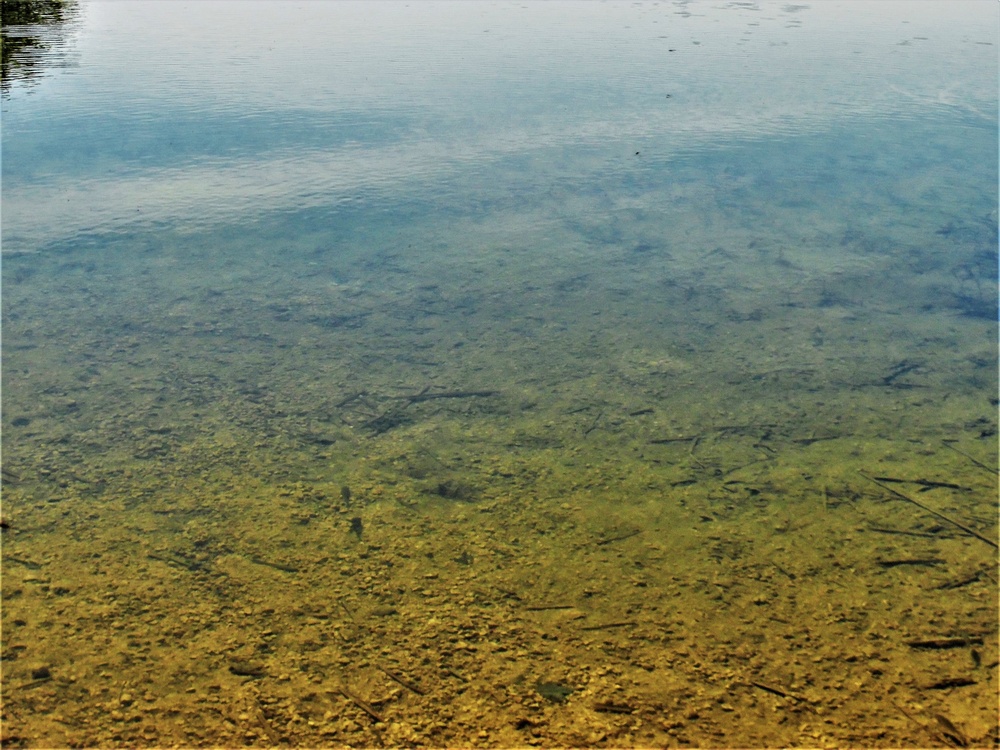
(190, 121)
(515, 349)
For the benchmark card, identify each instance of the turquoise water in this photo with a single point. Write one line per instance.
(463, 374)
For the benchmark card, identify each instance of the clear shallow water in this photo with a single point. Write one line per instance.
(588, 316)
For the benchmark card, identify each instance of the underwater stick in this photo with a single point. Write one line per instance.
(942, 516)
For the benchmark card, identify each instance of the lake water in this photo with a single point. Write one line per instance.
(467, 374)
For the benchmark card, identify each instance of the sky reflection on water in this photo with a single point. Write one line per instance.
(182, 115)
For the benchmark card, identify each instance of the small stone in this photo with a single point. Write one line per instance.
(246, 668)
(41, 673)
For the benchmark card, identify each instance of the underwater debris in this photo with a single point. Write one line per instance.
(362, 704)
(454, 490)
(945, 643)
(396, 678)
(275, 565)
(609, 707)
(968, 530)
(618, 537)
(425, 396)
(951, 682)
(242, 668)
(917, 561)
(554, 691)
(357, 527)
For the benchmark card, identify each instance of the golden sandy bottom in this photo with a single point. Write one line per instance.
(497, 501)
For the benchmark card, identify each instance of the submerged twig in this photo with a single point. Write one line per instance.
(942, 516)
(980, 464)
(396, 678)
(425, 396)
(363, 705)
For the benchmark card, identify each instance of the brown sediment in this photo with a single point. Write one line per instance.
(185, 558)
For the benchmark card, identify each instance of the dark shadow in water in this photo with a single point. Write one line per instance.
(34, 35)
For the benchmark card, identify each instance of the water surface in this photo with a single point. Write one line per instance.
(563, 374)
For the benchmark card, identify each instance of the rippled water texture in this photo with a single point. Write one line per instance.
(467, 374)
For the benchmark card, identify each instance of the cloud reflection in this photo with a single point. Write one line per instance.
(465, 86)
